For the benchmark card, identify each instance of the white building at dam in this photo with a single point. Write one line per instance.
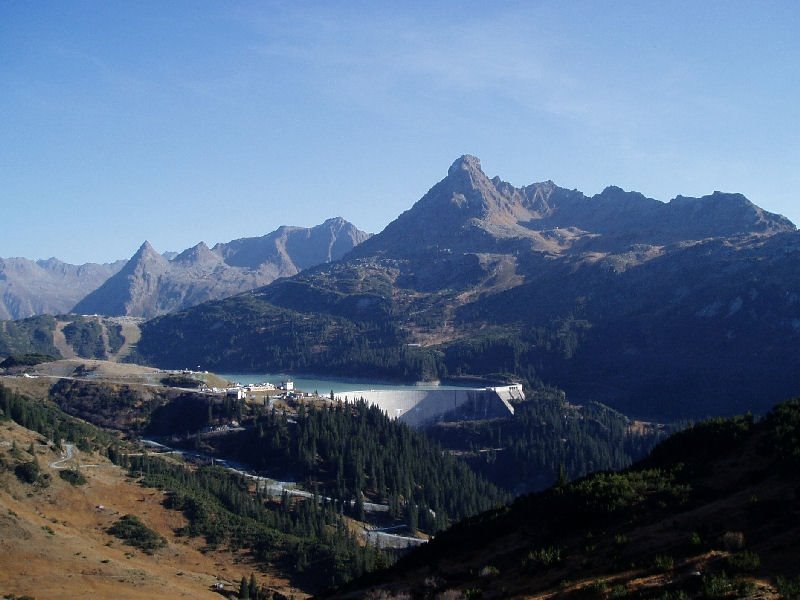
(419, 408)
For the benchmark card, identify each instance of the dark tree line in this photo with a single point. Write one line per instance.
(48, 420)
(547, 439)
(354, 453)
(306, 537)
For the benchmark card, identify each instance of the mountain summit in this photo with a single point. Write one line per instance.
(468, 210)
(660, 309)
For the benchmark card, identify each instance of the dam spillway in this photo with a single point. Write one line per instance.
(419, 408)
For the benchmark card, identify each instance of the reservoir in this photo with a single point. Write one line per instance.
(309, 383)
(416, 405)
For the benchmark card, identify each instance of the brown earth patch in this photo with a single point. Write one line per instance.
(54, 543)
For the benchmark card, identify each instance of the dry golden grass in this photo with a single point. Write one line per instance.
(101, 370)
(53, 540)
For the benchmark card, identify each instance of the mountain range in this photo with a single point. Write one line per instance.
(151, 284)
(677, 309)
(50, 286)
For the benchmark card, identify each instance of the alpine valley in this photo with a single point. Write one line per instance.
(663, 310)
(125, 474)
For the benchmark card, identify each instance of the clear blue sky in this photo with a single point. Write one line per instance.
(178, 121)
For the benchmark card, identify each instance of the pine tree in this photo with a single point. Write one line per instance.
(412, 518)
(562, 477)
(252, 586)
(244, 590)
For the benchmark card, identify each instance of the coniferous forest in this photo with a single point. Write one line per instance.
(548, 439)
(355, 453)
(308, 538)
(349, 455)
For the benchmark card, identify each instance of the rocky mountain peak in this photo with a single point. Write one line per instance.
(198, 254)
(465, 176)
(145, 247)
(466, 211)
(151, 285)
(146, 252)
(145, 255)
(728, 214)
(334, 223)
(49, 286)
(467, 162)
(341, 229)
(49, 263)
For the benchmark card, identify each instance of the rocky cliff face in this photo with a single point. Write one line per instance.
(150, 284)
(50, 286)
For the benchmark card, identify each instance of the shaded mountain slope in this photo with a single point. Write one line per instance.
(150, 284)
(652, 307)
(716, 320)
(714, 512)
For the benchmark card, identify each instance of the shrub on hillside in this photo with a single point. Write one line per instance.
(72, 476)
(27, 472)
(181, 381)
(135, 533)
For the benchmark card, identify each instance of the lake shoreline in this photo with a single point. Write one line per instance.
(323, 384)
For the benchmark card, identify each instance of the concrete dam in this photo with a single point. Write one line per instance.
(419, 408)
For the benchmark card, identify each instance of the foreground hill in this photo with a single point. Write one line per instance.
(714, 512)
(672, 310)
(150, 284)
(29, 288)
(55, 540)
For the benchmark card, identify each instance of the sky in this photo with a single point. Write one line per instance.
(186, 121)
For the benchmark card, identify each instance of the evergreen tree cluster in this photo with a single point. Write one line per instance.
(86, 338)
(306, 537)
(133, 532)
(28, 336)
(724, 488)
(354, 453)
(250, 590)
(547, 438)
(25, 360)
(48, 420)
(133, 409)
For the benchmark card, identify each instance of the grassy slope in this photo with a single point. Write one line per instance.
(54, 544)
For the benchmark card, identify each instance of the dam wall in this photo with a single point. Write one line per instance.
(419, 408)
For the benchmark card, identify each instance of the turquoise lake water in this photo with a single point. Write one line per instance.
(325, 385)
